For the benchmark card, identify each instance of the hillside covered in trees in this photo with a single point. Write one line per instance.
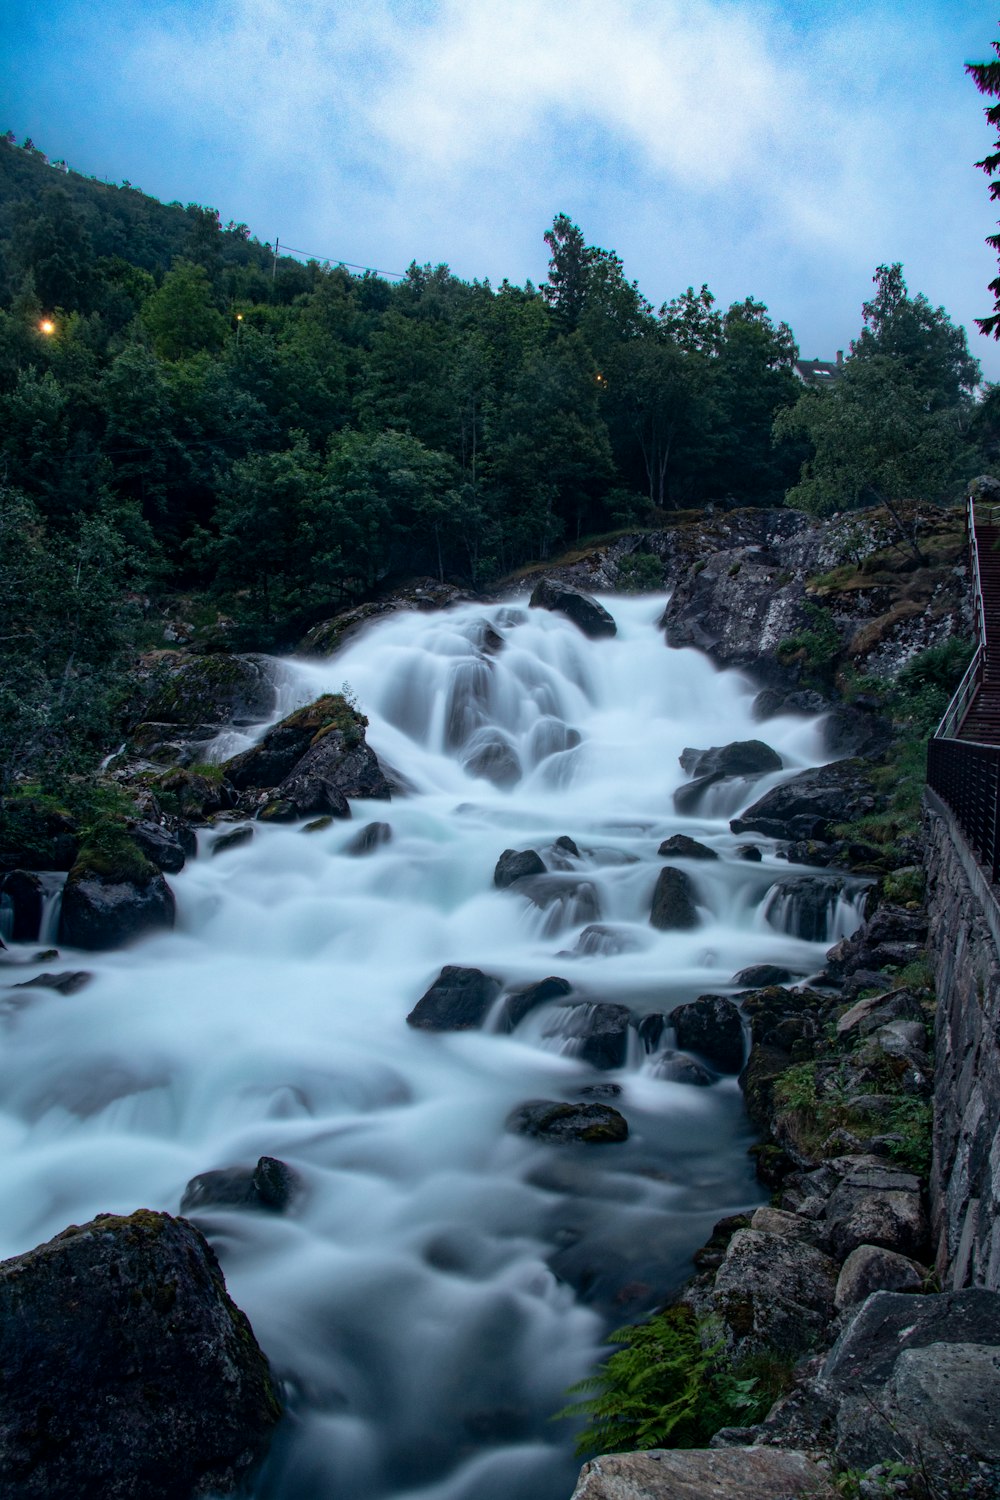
(186, 412)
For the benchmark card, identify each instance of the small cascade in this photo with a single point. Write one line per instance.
(433, 1262)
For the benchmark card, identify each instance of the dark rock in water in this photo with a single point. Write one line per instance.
(311, 795)
(270, 1185)
(458, 1000)
(494, 760)
(677, 1067)
(127, 1369)
(279, 810)
(161, 847)
(651, 1029)
(557, 1122)
(370, 838)
(108, 904)
(601, 941)
(519, 1003)
(589, 616)
(600, 1091)
(806, 806)
(688, 798)
(26, 893)
(759, 976)
(674, 908)
(801, 905)
(515, 864)
(566, 899)
(680, 846)
(566, 844)
(317, 825)
(712, 1027)
(65, 984)
(597, 1032)
(749, 852)
(232, 840)
(325, 740)
(741, 758)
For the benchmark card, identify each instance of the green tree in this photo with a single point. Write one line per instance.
(986, 76)
(181, 315)
(932, 349)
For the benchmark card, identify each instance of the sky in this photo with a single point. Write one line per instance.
(779, 149)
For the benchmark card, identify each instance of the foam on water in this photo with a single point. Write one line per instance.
(439, 1283)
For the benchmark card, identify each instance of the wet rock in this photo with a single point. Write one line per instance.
(68, 983)
(877, 1205)
(776, 1221)
(674, 908)
(560, 1123)
(678, 1067)
(112, 897)
(234, 839)
(520, 1003)
(712, 1027)
(651, 1028)
(870, 1268)
(688, 798)
(595, 1032)
(601, 941)
(600, 1091)
(25, 893)
(567, 846)
(493, 759)
(802, 905)
(744, 1473)
(270, 1185)
(758, 976)
(680, 846)
(741, 758)
(589, 616)
(774, 1292)
(458, 1000)
(808, 804)
(515, 864)
(749, 852)
(326, 740)
(566, 899)
(161, 846)
(196, 796)
(127, 1368)
(305, 795)
(370, 838)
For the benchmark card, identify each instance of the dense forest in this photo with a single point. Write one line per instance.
(188, 413)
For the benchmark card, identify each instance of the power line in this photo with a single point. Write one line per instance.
(336, 261)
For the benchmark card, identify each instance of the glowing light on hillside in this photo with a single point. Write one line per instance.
(46, 326)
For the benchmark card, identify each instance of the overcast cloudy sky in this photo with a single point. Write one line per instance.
(779, 148)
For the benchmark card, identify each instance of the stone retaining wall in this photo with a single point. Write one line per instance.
(964, 951)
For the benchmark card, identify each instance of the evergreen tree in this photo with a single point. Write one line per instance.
(986, 76)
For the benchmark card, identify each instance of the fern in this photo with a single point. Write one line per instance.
(668, 1386)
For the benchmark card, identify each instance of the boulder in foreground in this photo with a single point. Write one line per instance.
(703, 1474)
(125, 1368)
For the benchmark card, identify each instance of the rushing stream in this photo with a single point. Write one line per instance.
(438, 1283)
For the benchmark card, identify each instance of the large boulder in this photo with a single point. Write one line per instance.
(774, 1292)
(703, 1474)
(741, 758)
(712, 1027)
(326, 739)
(589, 616)
(877, 1205)
(554, 1121)
(113, 895)
(126, 1368)
(520, 1003)
(803, 906)
(458, 1000)
(207, 692)
(805, 806)
(674, 907)
(515, 864)
(595, 1032)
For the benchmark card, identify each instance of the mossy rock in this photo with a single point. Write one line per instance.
(210, 690)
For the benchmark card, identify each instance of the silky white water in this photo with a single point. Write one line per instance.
(438, 1283)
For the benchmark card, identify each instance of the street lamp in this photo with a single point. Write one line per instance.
(46, 326)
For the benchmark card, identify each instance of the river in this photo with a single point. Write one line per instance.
(438, 1282)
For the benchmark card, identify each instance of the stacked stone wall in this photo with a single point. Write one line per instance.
(964, 950)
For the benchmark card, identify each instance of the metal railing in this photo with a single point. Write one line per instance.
(966, 775)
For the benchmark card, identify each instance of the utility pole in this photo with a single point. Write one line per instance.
(274, 263)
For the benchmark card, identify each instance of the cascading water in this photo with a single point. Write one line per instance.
(438, 1283)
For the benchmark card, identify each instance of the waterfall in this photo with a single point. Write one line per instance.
(438, 1282)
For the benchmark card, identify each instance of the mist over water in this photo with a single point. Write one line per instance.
(438, 1283)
